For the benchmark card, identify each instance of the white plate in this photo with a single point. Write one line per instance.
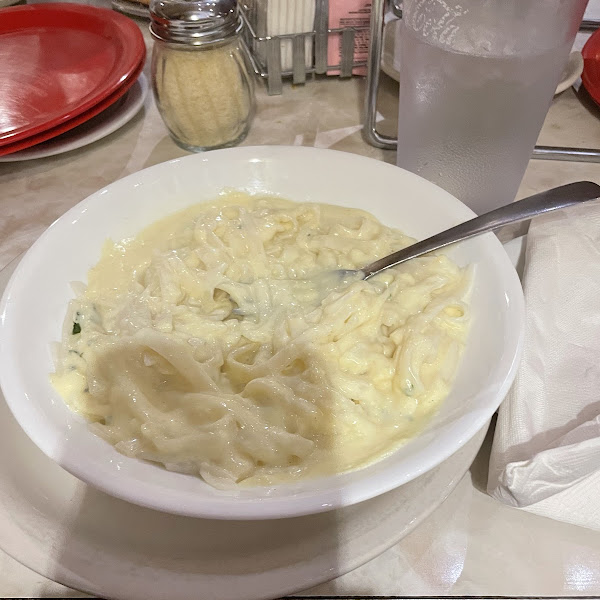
(572, 72)
(75, 535)
(41, 523)
(71, 533)
(35, 302)
(390, 58)
(108, 121)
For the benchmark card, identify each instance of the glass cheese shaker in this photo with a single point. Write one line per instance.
(199, 74)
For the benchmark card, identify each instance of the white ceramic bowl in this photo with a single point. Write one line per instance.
(34, 306)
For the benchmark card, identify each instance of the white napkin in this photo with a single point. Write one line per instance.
(546, 452)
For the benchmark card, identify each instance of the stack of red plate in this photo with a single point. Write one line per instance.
(60, 65)
(591, 66)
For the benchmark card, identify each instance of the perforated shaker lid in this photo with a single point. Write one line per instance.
(194, 22)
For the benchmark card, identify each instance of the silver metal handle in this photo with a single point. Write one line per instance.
(370, 133)
(553, 199)
(566, 154)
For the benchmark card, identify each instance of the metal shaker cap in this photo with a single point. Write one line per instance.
(194, 22)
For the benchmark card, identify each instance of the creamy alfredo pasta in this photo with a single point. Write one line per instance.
(210, 344)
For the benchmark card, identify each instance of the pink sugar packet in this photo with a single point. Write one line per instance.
(348, 13)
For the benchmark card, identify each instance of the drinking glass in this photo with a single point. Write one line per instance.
(477, 79)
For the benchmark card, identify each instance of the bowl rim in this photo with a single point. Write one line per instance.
(261, 507)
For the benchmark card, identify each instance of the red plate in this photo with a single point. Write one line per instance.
(58, 61)
(591, 66)
(74, 122)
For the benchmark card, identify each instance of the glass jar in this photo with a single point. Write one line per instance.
(199, 75)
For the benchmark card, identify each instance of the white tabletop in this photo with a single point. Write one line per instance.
(471, 545)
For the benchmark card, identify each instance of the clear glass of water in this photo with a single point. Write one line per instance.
(477, 79)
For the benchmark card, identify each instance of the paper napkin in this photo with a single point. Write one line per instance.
(546, 452)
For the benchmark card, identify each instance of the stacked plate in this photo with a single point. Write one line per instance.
(591, 70)
(61, 65)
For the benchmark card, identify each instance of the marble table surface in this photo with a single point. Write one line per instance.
(471, 545)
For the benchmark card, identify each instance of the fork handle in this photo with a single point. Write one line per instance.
(553, 199)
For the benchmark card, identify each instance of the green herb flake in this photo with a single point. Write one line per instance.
(76, 328)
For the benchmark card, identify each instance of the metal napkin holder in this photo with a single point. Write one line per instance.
(373, 137)
(264, 50)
